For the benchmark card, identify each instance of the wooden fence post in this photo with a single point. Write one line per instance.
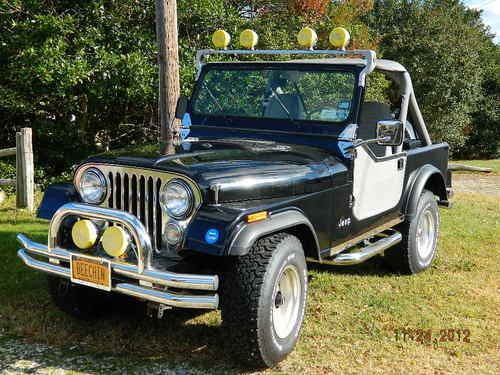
(25, 185)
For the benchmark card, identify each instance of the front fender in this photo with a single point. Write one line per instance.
(248, 233)
(55, 196)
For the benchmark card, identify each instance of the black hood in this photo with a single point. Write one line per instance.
(240, 169)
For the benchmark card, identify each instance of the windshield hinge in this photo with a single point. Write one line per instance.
(215, 189)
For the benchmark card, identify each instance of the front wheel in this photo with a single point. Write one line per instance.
(420, 234)
(79, 301)
(264, 298)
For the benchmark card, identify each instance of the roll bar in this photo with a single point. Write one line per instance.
(369, 56)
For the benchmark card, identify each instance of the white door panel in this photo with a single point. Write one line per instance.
(377, 185)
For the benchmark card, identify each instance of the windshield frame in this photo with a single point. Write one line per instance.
(276, 124)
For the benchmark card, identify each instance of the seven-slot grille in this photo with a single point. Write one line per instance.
(138, 194)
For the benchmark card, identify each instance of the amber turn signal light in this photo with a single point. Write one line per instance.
(258, 216)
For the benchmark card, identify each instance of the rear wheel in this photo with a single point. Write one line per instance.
(78, 301)
(417, 250)
(263, 299)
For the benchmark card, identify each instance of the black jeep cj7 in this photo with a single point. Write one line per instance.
(279, 162)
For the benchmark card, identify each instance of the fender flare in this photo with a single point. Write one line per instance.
(247, 234)
(424, 175)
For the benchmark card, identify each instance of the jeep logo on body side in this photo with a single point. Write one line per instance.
(344, 223)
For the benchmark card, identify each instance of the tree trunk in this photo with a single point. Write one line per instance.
(168, 61)
(471, 168)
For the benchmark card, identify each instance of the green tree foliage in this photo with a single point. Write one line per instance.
(83, 73)
(484, 131)
(80, 73)
(443, 44)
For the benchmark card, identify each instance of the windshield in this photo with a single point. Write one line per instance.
(295, 94)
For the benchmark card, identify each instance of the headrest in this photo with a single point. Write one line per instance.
(372, 112)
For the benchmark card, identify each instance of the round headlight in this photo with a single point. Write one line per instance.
(177, 199)
(92, 186)
(173, 234)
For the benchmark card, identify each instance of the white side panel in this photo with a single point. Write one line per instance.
(377, 186)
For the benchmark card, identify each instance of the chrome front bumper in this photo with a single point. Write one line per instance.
(143, 281)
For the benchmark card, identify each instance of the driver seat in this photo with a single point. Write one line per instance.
(371, 113)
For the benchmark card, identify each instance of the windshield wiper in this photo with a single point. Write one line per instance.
(217, 102)
(280, 102)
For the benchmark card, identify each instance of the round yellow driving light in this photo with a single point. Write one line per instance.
(307, 37)
(249, 38)
(221, 39)
(339, 37)
(84, 234)
(115, 241)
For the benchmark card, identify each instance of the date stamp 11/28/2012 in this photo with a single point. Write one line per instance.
(431, 336)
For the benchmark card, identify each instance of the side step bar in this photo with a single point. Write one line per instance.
(348, 259)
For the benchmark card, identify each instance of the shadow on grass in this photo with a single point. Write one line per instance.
(183, 337)
(372, 267)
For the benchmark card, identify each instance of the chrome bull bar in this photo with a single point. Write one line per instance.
(157, 282)
(129, 221)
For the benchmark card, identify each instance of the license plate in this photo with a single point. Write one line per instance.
(91, 272)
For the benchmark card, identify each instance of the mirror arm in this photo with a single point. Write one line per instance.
(361, 142)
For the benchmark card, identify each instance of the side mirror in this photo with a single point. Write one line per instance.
(390, 133)
(181, 107)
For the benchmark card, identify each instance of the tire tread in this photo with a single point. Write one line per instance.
(241, 290)
(401, 258)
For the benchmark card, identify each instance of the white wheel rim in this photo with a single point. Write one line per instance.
(426, 232)
(286, 301)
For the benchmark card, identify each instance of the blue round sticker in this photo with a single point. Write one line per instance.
(212, 236)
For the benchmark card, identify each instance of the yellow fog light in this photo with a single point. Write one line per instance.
(221, 39)
(84, 234)
(307, 37)
(249, 39)
(115, 241)
(339, 37)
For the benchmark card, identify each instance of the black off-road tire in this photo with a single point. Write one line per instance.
(250, 292)
(79, 301)
(405, 257)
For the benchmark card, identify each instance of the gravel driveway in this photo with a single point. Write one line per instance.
(20, 357)
(477, 183)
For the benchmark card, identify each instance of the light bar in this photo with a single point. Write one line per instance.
(368, 55)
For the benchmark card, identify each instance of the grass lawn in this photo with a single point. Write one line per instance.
(351, 319)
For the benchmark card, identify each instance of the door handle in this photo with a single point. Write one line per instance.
(401, 164)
